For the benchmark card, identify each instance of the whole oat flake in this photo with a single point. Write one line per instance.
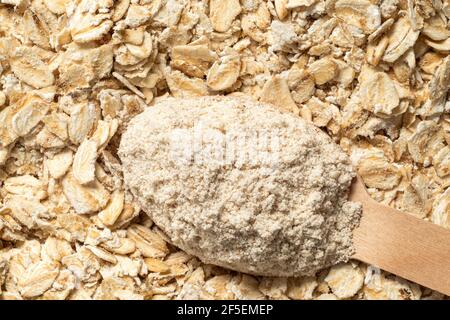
(371, 74)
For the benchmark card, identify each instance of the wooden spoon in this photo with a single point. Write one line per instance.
(399, 243)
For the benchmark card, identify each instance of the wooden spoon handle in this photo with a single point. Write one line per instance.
(402, 244)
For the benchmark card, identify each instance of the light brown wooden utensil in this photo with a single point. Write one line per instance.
(399, 243)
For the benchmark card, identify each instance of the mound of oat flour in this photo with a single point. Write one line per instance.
(240, 184)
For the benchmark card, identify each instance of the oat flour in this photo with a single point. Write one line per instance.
(242, 185)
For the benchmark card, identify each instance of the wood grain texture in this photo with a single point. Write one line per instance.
(399, 243)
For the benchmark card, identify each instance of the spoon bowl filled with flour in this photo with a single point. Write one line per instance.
(242, 185)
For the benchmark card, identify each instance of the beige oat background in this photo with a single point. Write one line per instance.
(373, 74)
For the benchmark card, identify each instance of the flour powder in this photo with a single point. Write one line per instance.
(240, 184)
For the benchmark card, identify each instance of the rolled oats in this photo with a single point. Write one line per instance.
(441, 209)
(218, 287)
(276, 91)
(111, 213)
(148, 242)
(84, 199)
(25, 185)
(87, 24)
(60, 163)
(29, 68)
(345, 280)
(223, 13)
(373, 74)
(401, 38)
(323, 70)
(84, 162)
(281, 8)
(301, 288)
(37, 278)
(382, 287)
(361, 14)
(224, 72)
(81, 121)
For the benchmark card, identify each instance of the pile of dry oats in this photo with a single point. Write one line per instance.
(374, 74)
